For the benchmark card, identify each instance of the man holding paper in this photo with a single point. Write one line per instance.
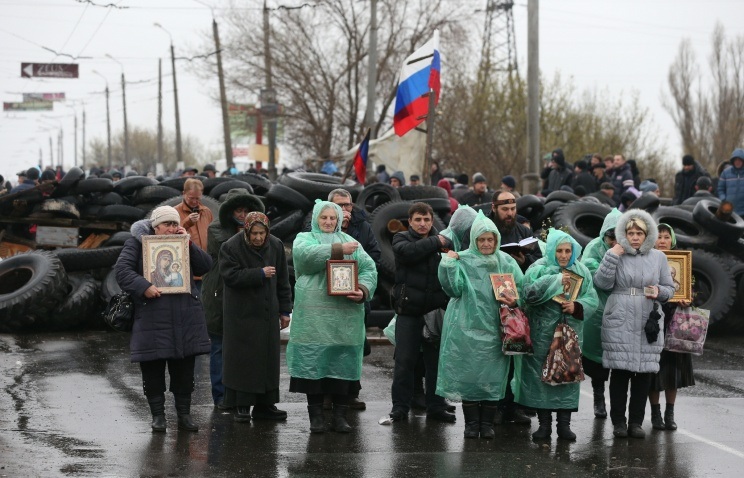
(504, 215)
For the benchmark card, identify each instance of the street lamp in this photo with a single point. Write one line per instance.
(108, 118)
(179, 156)
(124, 102)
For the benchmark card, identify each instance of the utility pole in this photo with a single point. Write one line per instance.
(76, 163)
(160, 111)
(369, 119)
(272, 118)
(531, 179)
(108, 126)
(126, 130)
(60, 148)
(179, 155)
(51, 152)
(223, 97)
(83, 137)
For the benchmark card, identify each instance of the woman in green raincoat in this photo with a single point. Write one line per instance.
(472, 367)
(544, 280)
(326, 340)
(591, 348)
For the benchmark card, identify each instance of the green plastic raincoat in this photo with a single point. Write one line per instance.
(471, 364)
(592, 257)
(326, 339)
(542, 282)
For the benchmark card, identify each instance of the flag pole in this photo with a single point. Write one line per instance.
(429, 137)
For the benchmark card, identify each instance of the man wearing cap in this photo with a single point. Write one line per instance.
(480, 193)
(731, 182)
(582, 177)
(29, 181)
(209, 171)
(560, 174)
(649, 186)
(605, 194)
(509, 185)
(189, 172)
(195, 216)
(703, 187)
(415, 180)
(684, 181)
(115, 175)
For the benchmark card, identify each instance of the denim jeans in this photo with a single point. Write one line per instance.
(215, 369)
(408, 343)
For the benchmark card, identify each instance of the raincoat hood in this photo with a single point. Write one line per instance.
(459, 224)
(671, 233)
(482, 225)
(651, 234)
(555, 238)
(318, 208)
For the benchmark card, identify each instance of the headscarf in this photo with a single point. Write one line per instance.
(251, 220)
(671, 233)
(555, 238)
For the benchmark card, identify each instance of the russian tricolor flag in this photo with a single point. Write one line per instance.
(419, 75)
(360, 160)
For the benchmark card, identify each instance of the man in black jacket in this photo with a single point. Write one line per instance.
(582, 177)
(684, 181)
(504, 215)
(417, 291)
(355, 224)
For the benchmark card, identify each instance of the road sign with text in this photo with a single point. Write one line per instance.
(49, 70)
(29, 106)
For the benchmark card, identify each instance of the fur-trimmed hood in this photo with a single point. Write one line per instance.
(236, 198)
(651, 235)
(141, 228)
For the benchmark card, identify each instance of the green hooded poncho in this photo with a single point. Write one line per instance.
(542, 282)
(326, 339)
(471, 364)
(592, 257)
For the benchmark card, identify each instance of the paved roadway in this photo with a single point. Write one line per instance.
(71, 404)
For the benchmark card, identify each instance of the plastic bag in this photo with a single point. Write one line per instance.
(433, 322)
(687, 330)
(515, 332)
(563, 363)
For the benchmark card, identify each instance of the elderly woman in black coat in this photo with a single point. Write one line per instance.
(169, 329)
(257, 302)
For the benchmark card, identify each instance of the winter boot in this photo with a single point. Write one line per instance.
(471, 411)
(669, 417)
(563, 420)
(183, 409)
(656, 421)
(546, 420)
(242, 414)
(600, 409)
(486, 421)
(157, 408)
(317, 421)
(340, 425)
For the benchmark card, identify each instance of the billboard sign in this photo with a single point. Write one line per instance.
(29, 106)
(49, 70)
(43, 97)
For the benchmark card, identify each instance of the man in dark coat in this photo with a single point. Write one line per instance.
(605, 194)
(582, 177)
(480, 193)
(231, 219)
(684, 181)
(621, 177)
(257, 303)
(560, 173)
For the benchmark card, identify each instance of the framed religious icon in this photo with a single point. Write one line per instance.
(342, 277)
(571, 292)
(504, 286)
(166, 263)
(680, 265)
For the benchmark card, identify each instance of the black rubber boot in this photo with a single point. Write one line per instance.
(669, 417)
(157, 408)
(472, 414)
(563, 427)
(317, 421)
(600, 409)
(183, 408)
(545, 429)
(486, 421)
(340, 425)
(656, 421)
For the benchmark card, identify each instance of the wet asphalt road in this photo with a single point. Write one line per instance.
(71, 404)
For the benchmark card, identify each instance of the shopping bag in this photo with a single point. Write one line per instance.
(687, 330)
(563, 363)
(515, 332)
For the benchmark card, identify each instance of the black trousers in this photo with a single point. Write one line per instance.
(639, 385)
(181, 373)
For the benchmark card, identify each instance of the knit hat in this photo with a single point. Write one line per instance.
(32, 174)
(582, 165)
(164, 214)
(462, 178)
(688, 160)
(48, 175)
(479, 178)
(648, 187)
(509, 181)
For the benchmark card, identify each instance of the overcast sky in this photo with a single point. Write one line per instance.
(620, 45)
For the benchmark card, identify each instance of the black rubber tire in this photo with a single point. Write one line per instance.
(486, 207)
(261, 185)
(32, 285)
(733, 321)
(61, 209)
(289, 198)
(649, 202)
(688, 232)
(582, 220)
(147, 206)
(562, 196)
(317, 186)
(68, 182)
(440, 206)
(94, 185)
(72, 199)
(107, 199)
(379, 318)
(117, 239)
(414, 193)
(548, 211)
(109, 286)
(287, 224)
(82, 306)
(734, 248)
(692, 201)
(177, 183)
(74, 259)
(379, 221)
(590, 199)
(223, 188)
(128, 186)
(713, 284)
(154, 194)
(705, 215)
(90, 211)
(120, 212)
(530, 206)
(209, 183)
(211, 203)
(375, 195)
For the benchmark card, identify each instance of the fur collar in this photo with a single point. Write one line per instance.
(141, 228)
(651, 236)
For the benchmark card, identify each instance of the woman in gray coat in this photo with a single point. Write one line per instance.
(638, 277)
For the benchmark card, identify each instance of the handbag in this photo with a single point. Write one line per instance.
(515, 332)
(687, 330)
(563, 363)
(119, 313)
(433, 322)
